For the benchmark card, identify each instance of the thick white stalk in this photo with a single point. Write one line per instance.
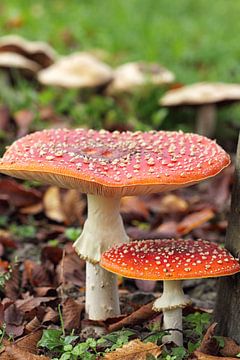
(102, 229)
(171, 303)
(102, 299)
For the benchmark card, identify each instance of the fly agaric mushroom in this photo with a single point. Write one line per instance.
(108, 166)
(205, 96)
(171, 261)
(37, 51)
(79, 70)
(130, 76)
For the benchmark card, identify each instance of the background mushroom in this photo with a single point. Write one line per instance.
(37, 51)
(10, 61)
(128, 77)
(171, 261)
(204, 96)
(78, 70)
(108, 166)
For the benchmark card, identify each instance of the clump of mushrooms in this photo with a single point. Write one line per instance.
(108, 166)
(204, 96)
(171, 261)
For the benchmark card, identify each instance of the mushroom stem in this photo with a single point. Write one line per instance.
(206, 120)
(102, 229)
(101, 293)
(171, 303)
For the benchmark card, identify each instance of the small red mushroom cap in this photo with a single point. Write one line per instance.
(169, 259)
(114, 164)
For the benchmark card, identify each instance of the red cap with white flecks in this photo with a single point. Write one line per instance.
(114, 164)
(169, 259)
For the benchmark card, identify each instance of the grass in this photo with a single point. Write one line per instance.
(198, 40)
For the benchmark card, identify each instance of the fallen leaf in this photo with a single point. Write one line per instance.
(23, 118)
(12, 285)
(133, 208)
(194, 220)
(231, 348)
(16, 353)
(29, 342)
(18, 195)
(71, 312)
(209, 344)
(172, 203)
(142, 314)
(201, 356)
(71, 270)
(53, 205)
(134, 350)
(50, 315)
(31, 302)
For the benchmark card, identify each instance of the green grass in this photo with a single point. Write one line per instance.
(197, 39)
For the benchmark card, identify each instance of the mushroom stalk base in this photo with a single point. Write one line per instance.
(102, 229)
(101, 293)
(171, 303)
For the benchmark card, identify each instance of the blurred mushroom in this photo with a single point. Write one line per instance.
(204, 96)
(133, 75)
(171, 261)
(10, 61)
(39, 52)
(79, 70)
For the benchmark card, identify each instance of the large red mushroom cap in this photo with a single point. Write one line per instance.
(169, 259)
(114, 164)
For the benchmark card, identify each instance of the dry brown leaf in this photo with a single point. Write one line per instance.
(198, 355)
(14, 352)
(71, 312)
(209, 344)
(31, 302)
(194, 220)
(12, 285)
(23, 118)
(231, 348)
(134, 350)
(74, 205)
(53, 204)
(172, 203)
(18, 195)
(29, 342)
(144, 313)
(133, 207)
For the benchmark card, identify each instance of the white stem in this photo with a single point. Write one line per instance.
(206, 120)
(171, 303)
(102, 229)
(172, 319)
(101, 293)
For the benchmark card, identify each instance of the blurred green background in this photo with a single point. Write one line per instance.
(197, 39)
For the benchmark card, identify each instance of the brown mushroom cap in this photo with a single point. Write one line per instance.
(37, 51)
(201, 93)
(129, 76)
(169, 259)
(114, 164)
(10, 60)
(79, 70)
